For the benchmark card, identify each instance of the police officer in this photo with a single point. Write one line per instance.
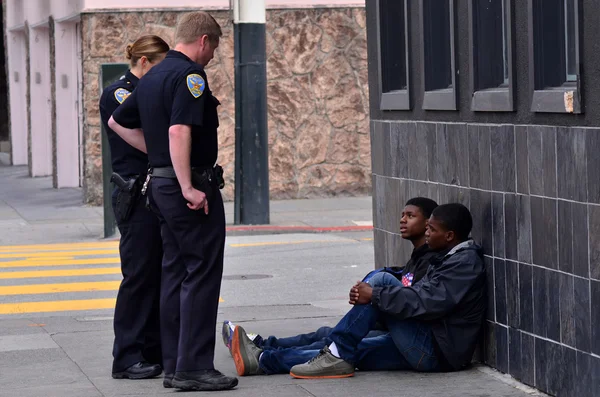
(178, 116)
(137, 349)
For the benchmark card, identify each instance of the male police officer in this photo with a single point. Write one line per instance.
(175, 108)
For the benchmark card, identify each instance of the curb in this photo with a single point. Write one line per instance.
(271, 229)
(249, 230)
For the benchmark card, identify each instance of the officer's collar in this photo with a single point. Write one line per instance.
(131, 77)
(178, 54)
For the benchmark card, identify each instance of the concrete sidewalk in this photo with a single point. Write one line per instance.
(33, 212)
(276, 284)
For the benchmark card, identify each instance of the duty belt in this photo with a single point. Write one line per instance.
(169, 172)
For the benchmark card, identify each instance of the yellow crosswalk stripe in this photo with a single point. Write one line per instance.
(60, 273)
(63, 262)
(55, 254)
(31, 289)
(56, 306)
(58, 247)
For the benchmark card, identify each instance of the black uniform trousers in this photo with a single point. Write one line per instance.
(192, 269)
(137, 317)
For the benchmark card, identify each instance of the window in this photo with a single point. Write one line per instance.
(491, 55)
(555, 56)
(393, 54)
(438, 59)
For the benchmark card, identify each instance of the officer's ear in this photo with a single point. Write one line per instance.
(144, 61)
(203, 40)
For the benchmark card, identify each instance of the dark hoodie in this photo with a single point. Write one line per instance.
(416, 267)
(451, 297)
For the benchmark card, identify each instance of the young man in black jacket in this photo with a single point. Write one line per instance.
(373, 352)
(433, 325)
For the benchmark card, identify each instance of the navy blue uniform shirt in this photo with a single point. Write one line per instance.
(174, 92)
(126, 160)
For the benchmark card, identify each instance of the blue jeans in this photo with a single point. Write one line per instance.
(310, 341)
(407, 346)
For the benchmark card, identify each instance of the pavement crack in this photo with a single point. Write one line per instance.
(309, 393)
(78, 366)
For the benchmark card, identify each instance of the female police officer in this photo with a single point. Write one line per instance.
(137, 348)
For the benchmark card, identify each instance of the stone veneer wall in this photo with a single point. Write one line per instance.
(317, 95)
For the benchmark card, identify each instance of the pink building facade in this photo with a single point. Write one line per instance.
(317, 88)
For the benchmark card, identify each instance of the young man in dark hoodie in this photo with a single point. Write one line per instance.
(433, 325)
(413, 224)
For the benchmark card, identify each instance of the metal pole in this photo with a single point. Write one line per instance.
(251, 135)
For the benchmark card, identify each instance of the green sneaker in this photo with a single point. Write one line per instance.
(324, 366)
(245, 353)
(227, 331)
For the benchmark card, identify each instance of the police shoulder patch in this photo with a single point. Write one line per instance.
(195, 84)
(121, 94)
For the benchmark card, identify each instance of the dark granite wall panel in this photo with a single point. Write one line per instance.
(565, 241)
(536, 169)
(418, 152)
(399, 149)
(533, 197)
(581, 261)
(582, 311)
(503, 158)
(522, 160)
(497, 225)
(595, 316)
(528, 359)
(510, 227)
(594, 241)
(523, 229)
(592, 144)
(567, 309)
(532, 182)
(526, 296)
(549, 160)
(513, 310)
(500, 290)
(501, 348)
(571, 163)
(515, 350)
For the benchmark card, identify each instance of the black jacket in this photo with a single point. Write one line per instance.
(126, 160)
(451, 296)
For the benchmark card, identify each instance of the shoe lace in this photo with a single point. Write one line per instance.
(321, 354)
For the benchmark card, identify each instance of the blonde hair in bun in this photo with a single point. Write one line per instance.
(149, 46)
(128, 51)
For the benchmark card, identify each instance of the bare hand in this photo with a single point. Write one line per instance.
(196, 200)
(353, 294)
(361, 294)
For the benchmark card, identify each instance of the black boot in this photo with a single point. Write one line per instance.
(205, 380)
(141, 370)
(168, 381)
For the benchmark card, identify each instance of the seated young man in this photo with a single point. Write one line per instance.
(413, 224)
(433, 325)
